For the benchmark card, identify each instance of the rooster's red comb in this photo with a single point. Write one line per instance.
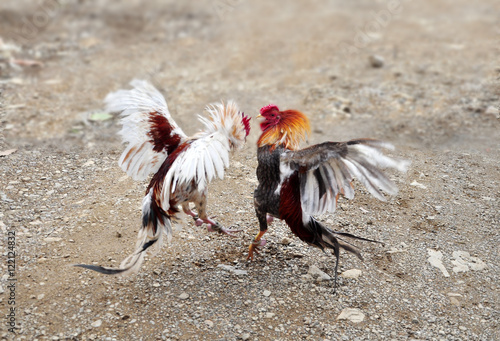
(246, 122)
(268, 108)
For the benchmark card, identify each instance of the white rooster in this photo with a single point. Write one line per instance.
(182, 165)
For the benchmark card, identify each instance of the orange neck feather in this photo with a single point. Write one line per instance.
(292, 128)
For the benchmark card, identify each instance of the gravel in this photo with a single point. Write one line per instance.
(61, 191)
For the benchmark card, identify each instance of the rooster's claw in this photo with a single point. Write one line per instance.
(255, 246)
(219, 228)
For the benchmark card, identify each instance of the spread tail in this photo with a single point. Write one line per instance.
(156, 223)
(332, 240)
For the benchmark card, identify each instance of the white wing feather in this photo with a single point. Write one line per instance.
(201, 162)
(321, 184)
(207, 155)
(136, 106)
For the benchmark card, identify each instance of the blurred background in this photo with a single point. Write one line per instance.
(421, 73)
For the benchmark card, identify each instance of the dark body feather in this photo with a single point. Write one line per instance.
(281, 198)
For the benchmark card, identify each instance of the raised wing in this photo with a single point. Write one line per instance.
(326, 171)
(207, 155)
(148, 128)
(205, 159)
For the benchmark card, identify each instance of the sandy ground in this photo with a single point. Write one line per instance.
(65, 200)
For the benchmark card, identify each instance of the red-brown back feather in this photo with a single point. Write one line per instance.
(290, 209)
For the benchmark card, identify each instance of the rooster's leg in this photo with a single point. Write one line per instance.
(187, 210)
(258, 242)
(212, 225)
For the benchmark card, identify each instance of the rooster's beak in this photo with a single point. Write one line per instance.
(259, 116)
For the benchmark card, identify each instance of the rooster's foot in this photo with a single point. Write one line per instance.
(216, 227)
(255, 246)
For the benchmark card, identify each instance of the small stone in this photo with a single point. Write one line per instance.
(352, 273)
(96, 324)
(52, 239)
(209, 323)
(184, 296)
(376, 61)
(307, 278)
(245, 336)
(88, 163)
(315, 272)
(236, 164)
(233, 270)
(463, 261)
(7, 152)
(40, 297)
(270, 315)
(351, 314)
(418, 184)
(435, 258)
(266, 293)
(286, 241)
(156, 285)
(491, 110)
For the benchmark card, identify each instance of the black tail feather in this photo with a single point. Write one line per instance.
(345, 234)
(136, 261)
(102, 269)
(330, 239)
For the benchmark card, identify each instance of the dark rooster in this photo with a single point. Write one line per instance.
(182, 166)
(296, 184)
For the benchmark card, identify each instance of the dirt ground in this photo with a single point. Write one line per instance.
(64, 200)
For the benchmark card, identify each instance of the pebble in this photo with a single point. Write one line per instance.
(52, 239)
(454, 301)
(463, 261)
(435, 258)
(351, 314)
(41, 296)
(286, 241)
(245, 336)
(491, 110)
(96, 324)
(270, 315)
(376, 61)
(418, 184)
(209, 323)
(315, 272)
(266, 293)
(184, 296)
(352, 273)
(233, 270)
